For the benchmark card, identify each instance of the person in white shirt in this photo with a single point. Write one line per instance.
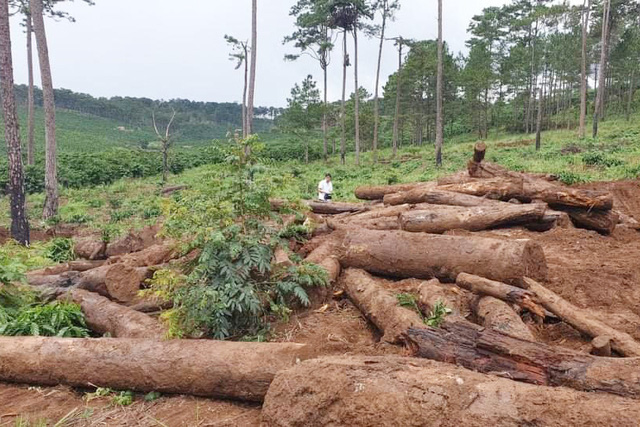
(325, 188)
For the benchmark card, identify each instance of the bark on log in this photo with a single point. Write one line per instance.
(432, 291)
(383, 223)
(153, 255)
(438, 219)
(582, 320)
(334, 208)
(497, 315)
(325, 256)
(85, 265)
(379, 305)
(602, 221)
(628, 221)
(134, 241)
(488, 351)
(502, 291)
(425, 256)
(378, 192)
(436, 197)
(601, 346)
(89, 248)
(62, 280)
(479, 151)
(167, 191)
(233, 370)
(281, 258)
(104, 316)
(150, 305)
(39, 277)
(123, 281)
(495, 188)
(400, 391)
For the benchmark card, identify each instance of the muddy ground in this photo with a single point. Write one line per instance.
(598, 272)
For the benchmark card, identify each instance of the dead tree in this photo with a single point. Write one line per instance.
(165, 140)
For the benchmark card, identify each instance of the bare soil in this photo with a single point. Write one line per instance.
(601, 273)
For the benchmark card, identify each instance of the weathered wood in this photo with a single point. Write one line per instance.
(438, 219)
(403, 254)
(104, 316)
(378, 305)
(488, 351)
(497, 315)
(436, 197)
(400, 391)
(333, 208)
(378, 192)
(479, 151)
(480, 285)
(494, 188)
(582, 320)
(223, 369)
(602, 221)
(123, 282)
(601, 346)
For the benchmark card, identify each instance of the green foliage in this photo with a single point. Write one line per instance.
(437, 315)
(60, 250)
(123, 398)
(54, 319)
(152, 396)
(299, 232)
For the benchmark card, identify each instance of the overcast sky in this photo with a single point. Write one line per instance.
(166, 49)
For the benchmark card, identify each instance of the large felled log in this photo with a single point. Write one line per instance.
(602, 221)
(488, 351)
(378, 305)
(153, 255)
(403, 254)
(382, 223)
(502, 291)
(436, 197)
(104, 316)
(378, 192)
(497, 315)
(432, 291)
(235, 370)
(495, 188)
(89, 248)
(325, 256)
(438, 219)
(123, 281)
(400, 391)
(333, 208)
(134, 241)
(582, 320)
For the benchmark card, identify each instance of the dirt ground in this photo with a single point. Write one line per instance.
(598, 272)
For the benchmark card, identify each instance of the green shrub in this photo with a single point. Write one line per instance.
(60, 250)
(58, 319)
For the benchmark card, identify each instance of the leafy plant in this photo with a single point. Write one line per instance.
(437, 315)
(123, 398)
(60, 250)
(58, 319)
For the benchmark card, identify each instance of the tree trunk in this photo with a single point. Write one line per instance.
(584, 80)
(325, 147)
(356, 112)
(17, 200)
(433, 292)
(603, 65)
(539, 121)
(254, 57)
(489, 351)
(379, 305)
(380, 191)
(425, 256)
(334, 208)
(245, 131)
(437, 219)
(602, 221)
(104, 316)
(439, 89)
(396, 118)
(50, 178)
(511, 294)
(630, 98)
(165, 161)
(437, 197)
(495, 314)
(376, 101)
(31, 107)
(233, 370)
(400, 391)
(583, 320)
(343, 117)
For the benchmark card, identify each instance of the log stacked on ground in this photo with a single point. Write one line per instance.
(485, 350)
(379, 305)
(379, 192)
(361, 391)
(334, 208)
(104, 316)
(432, 291)
(436, 197)
(602, 221)
(233, 370)
(402, 254)
(582, 320)
(497, 315)
(438, 219)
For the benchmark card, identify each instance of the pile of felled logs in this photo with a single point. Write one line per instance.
(484, 196)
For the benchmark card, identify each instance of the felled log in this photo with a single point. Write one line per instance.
(494, 188)
(436, 197)
(325, 256)
(488, 351)
(382, 223)
(438, 219)
(481, 286)
(582, 320)
(134, 241)
(167, 191)
(602, 221)
(497, 315)
(378, 305)
(432, 291)
(153, 255)
(425, 256)
(123, 281)
(223, 369)
(104, 316)
(333, 208)
(149, 305)
(281, 258)
(378, 192)
(628, 221)
(400, 391)
(85, 265)
(551, 219)
(62, 280)
(89, 248)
